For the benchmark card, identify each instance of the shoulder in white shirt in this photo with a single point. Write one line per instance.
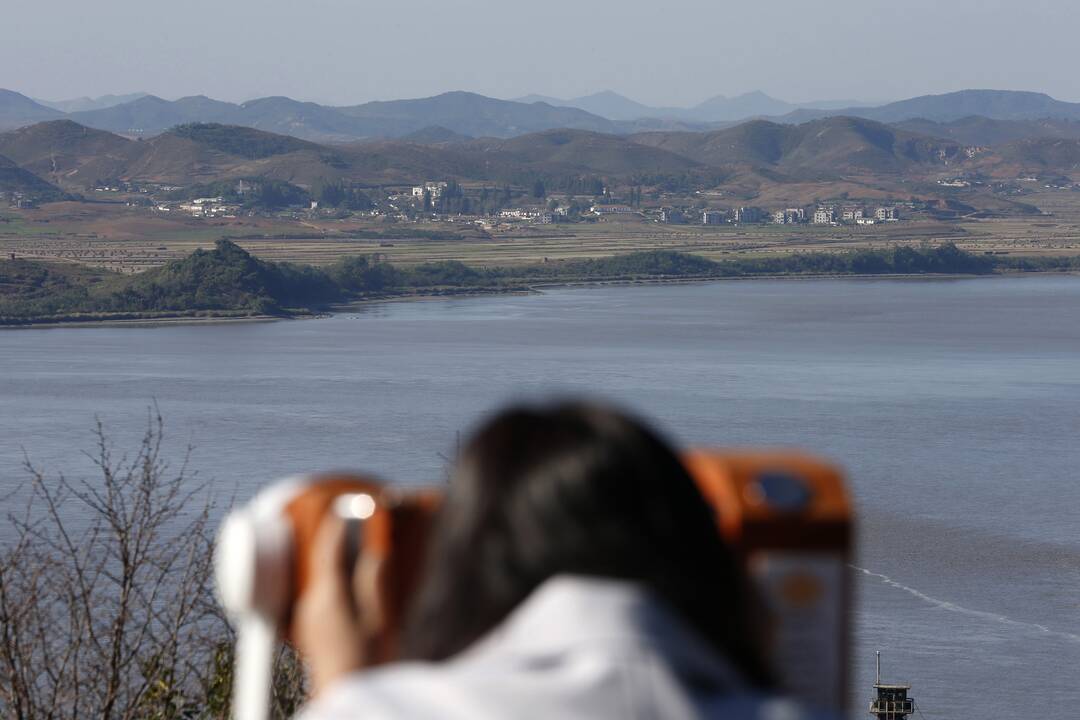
(576, 648)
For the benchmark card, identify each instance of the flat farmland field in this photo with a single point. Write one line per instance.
(132, 239)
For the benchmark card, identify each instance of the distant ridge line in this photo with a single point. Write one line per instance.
(474, 115)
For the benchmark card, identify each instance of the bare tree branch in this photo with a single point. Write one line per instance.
(106, 597)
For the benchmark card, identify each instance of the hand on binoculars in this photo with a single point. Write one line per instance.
(327, 626)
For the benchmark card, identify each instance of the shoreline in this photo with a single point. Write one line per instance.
(464, 293)
(36, 324)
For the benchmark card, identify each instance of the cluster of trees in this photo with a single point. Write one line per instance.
(255, 193)
(229, 280)
(341, 194)
(943, 259)
(39, 289)
(588, 185)
(360, 275)
(226, 279)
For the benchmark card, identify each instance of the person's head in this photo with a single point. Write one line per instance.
(574, 489)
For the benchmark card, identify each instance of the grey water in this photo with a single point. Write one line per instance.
(953, 404)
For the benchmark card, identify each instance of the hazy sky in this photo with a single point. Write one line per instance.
(666, 52)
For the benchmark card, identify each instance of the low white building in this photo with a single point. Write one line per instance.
(544, 217)
(612, 209)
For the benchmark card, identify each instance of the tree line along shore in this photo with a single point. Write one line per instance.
(229, 282)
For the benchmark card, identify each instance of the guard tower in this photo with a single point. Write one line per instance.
(892, 701)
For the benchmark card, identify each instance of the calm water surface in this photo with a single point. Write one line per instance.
(954, 404)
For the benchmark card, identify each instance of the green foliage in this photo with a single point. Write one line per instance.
(650, 263)
(1038, 263)
(260, 193)
(275, 194)
(444, 273)
(225, 278)
(357, 275)
(340, 194)
(31, 288)
(229, 281)
(588, 185)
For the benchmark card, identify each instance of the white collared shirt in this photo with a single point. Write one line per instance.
(576, 648)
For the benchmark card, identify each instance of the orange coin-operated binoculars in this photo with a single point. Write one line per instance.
(787, 516)
(264, 559)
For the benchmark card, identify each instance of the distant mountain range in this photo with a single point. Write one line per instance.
(462, 113)
(17, 110)
(993, 104)
(969, 116)
(613, 106)
(88, 103)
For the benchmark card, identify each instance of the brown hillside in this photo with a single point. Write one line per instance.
(1035, 157)
(15, 179)
(983, 131)
(67, 153)
(569, 151)
(826, 148)
(202, 153)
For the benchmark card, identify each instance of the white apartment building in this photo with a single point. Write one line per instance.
(748, 215)
(434, 189)
(789, 216)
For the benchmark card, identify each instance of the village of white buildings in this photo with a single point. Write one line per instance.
(490, 207)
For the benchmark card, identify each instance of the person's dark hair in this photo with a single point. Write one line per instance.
(578, 489)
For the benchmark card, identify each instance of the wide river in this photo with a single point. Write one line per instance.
(954, 405)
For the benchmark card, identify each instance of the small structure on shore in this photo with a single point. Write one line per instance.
(892, 701)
